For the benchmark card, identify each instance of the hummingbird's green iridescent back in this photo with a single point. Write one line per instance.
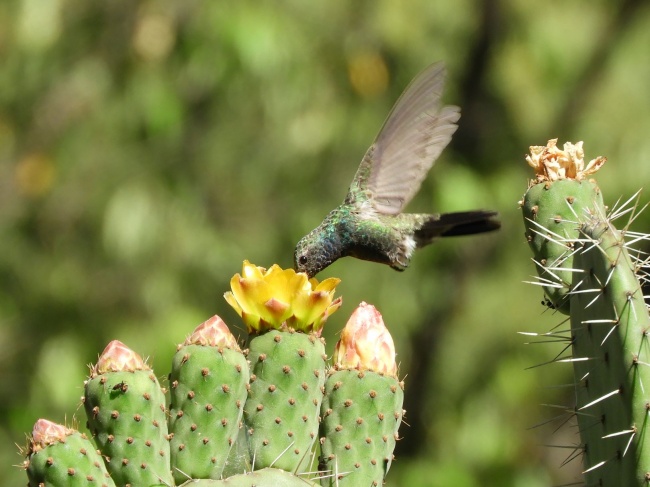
(370, 224)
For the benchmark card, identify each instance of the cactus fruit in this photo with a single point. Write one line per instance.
(551, 207)
(609, 328)
(126, 413)
(362, 409)
(208, 388)
(62, 456)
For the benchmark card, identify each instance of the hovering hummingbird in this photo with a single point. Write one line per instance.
(370, 225)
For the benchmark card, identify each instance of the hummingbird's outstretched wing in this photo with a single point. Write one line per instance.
(411, 139)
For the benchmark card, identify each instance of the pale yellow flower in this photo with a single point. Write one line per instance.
(365, 343)
(276, 298)
(552, 164)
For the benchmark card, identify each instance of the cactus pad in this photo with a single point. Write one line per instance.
(208, 388)
(362, 411)
(126, 416)
(551, 212)
(64, 457)
(283, 406)
(610, 327)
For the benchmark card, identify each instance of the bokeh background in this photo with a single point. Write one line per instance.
(148, 148)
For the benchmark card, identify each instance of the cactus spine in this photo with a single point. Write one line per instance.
(608, 314)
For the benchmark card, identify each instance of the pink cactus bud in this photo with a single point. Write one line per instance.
(46, 432)
(118, 357)
(213, 333)
(365, 343)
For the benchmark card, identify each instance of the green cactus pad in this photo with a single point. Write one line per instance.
(552, 211)
(126, 416)
(70, 462)
(283, 406)
(362, 411)
(609, 322)
(208, 388)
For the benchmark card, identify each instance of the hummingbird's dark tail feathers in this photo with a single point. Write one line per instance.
(456, 224)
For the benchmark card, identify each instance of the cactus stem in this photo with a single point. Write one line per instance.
(596, 269)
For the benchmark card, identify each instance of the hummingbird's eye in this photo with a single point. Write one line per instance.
(302, 260)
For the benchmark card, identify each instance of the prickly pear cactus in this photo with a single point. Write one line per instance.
(594, 280)
(550, 211)
(362, 409)
(286, 391)
(208, 388)
(552, 207)
(611, 324)
(287, 362)
(126, 413)
(215, 404)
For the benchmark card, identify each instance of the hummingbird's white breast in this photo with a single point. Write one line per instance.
(409, 245)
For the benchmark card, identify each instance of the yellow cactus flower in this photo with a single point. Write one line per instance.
(276, 298)
(365, 343)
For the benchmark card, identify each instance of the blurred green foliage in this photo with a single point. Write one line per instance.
(148, 148)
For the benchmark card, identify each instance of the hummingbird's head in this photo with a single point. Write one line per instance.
(312, 255)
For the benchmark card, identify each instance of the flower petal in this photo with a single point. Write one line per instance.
(230, 299)
(551, 163)
(251, 271)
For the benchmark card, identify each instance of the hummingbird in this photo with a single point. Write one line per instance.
(369, 224)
